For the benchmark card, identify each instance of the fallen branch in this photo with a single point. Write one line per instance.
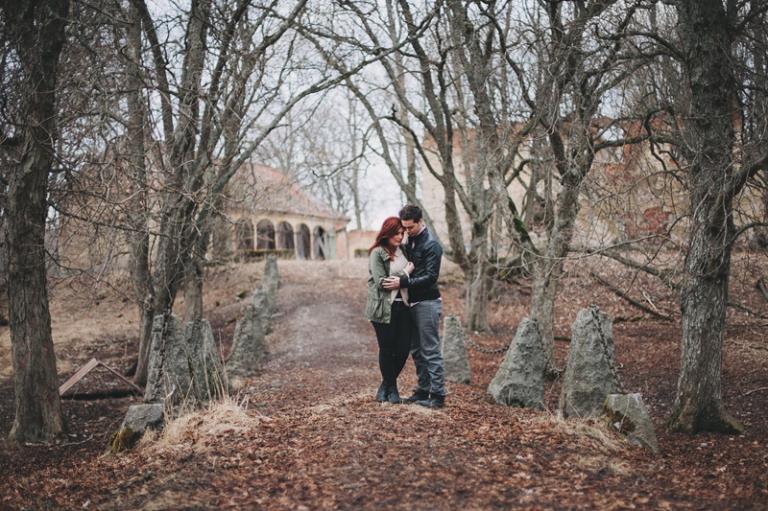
(761, 287)
(77, 443)
(631, 319)
(618, 292)
(754, 390)
(107, 394)
(746, 309)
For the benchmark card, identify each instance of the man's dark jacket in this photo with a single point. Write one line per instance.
(426, 254)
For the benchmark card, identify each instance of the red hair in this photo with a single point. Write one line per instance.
(389, 228)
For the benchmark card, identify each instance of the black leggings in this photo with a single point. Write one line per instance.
(394, 343)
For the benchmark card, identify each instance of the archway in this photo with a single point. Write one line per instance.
(319, 248)
(285, 236)
(303, 242)
(244, 235)
(265, 235)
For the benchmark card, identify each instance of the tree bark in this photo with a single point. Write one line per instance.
(549, 266)
(477, 297)
(193, 281)
(37, 29)
(138, 214)
(713, 182)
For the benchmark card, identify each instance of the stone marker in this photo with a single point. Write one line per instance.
(184, 365)
(143, 417)
(264, 305)
(264, 302)
(169, 380)
(628, 414)
(591, 371)
(138, 419)
(454, 351)
(520, 378)
(271, 278)
(207, 369)
(248, 343)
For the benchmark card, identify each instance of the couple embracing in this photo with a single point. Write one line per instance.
(404, 306)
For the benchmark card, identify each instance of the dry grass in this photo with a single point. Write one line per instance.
(199, 431)
(585, 432)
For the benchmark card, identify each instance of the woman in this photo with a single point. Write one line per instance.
(388, 310)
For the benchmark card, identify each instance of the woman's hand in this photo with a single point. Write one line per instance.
(409, 268)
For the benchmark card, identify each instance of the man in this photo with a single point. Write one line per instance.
(426, 308)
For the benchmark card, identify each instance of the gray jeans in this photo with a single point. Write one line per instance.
(425, 346)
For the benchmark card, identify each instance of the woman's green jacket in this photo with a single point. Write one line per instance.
(378, 307)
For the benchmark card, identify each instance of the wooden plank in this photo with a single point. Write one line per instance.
(133, 386)
(87, 368)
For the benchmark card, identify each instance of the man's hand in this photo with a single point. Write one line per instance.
(391, 283)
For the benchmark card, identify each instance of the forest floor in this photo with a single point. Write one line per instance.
(306, 432)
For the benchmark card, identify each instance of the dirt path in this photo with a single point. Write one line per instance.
(306, 434)
(322, 347)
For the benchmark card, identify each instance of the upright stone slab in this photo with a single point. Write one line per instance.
(520, 379)
(207, 369)
(270, 282)
(170, 380)
(264, 305)
(591, 372)
(454, 351)
(271, 278)
(248, 343)
(629, 415)
(269, 297)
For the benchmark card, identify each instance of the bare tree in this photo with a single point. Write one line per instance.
(579, 68)
(437, 84)
(193, 131)
(705, 99)
(474, 86)
(720, 134)
(323, 147)
(242, 70)
(34, 32)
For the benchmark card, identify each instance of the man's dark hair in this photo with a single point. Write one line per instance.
(410, 212)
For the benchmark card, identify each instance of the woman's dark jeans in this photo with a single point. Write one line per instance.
(394, 343)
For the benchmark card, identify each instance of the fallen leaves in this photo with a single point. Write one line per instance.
(307, 434)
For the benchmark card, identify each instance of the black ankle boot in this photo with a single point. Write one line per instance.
(434, 401)
(418, 395)
(382, 395)
(394, 396)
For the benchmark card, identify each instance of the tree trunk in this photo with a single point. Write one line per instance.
(549, 267)
(703, 298)
(193, 281)
(193, 291)
(476, 274)
(146, 316)
(477, 297)
(704, 30)
(177, 224)
(138, 214)
(37, 30)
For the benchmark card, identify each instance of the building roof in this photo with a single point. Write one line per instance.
(267, 190)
